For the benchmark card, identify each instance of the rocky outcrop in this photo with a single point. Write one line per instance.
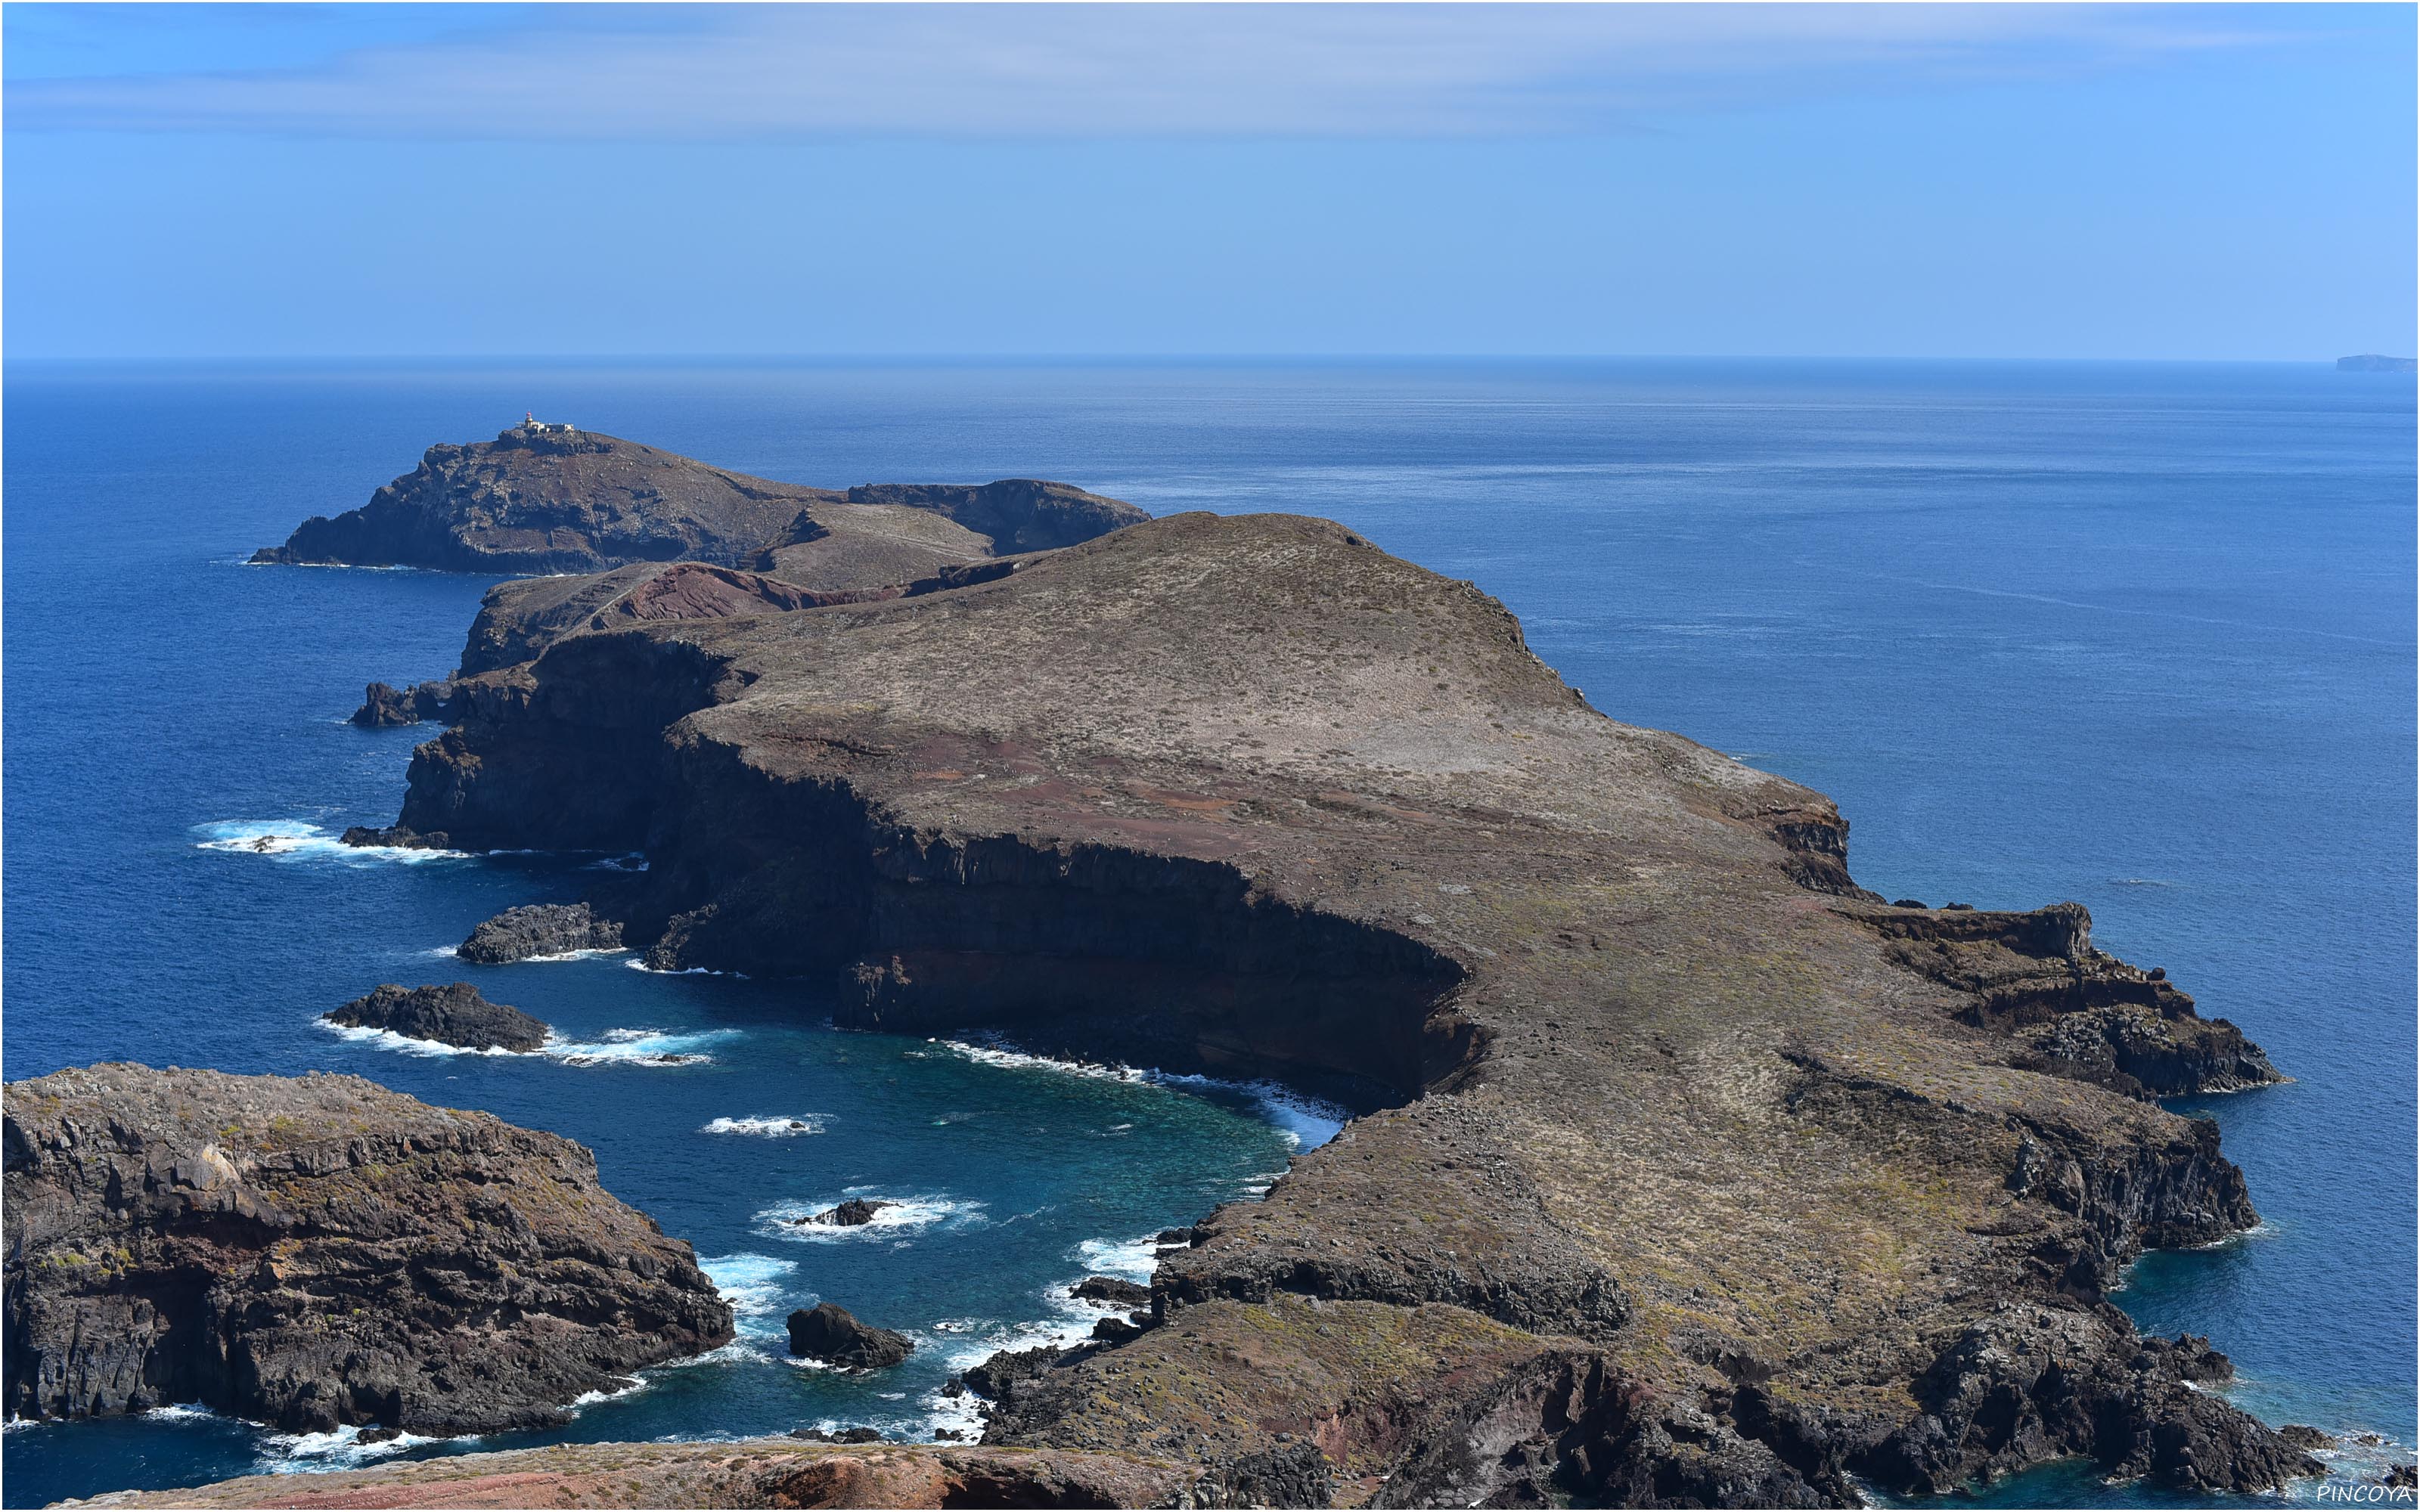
(829, 1333)
(779, 1473)
(854, 1213)
(2029, 1383)
(561, 500)
(454, 1015)
(1681, 1162)
(1111, 1290)
(534, 930)
(2067, 1008)
(316, 1251)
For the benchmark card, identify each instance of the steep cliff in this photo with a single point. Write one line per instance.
(314, 1251)
(557, 500)
(1688, 1169)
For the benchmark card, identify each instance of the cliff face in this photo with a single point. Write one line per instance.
(318, 1251)
(1689, 1169)
(552, 502)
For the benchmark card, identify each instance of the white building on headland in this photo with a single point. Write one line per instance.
(531, 422)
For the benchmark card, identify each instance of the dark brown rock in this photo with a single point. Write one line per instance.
(314, 1251)
(997, 1377)
(828, 1332)
(1112, 1289)
(454, 1015)
(2306, 1437)
(539, 930)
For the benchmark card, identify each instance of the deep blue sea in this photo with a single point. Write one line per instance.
(2140, 636)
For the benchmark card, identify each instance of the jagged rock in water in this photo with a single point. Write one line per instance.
(828, 1332)
(996, 1376)
(2306, 1437)
(842, 1436)
(539, 930)
(1112, 1289)
(384, 706)
(555, 501)
(454, 1015)
(853, 1213)
(314, 1251)
(1645, 1081)
(397, 837)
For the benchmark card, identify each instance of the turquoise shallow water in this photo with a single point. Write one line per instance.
(2138, 636)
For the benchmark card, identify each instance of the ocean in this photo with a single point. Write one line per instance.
(2135, 635)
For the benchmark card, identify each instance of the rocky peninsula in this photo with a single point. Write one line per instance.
(314, 1251)
(1687, 1169)
(553, 499)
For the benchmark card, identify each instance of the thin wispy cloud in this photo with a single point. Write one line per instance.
(770, 72)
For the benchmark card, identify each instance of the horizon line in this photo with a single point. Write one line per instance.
(1138, 359)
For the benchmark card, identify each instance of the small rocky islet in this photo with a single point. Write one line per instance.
(1647, 1082)
(455, 1013)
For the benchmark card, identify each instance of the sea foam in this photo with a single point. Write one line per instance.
(292, 839)
(638, 1047)
(898, 1219)
(1306, 1121)
(771, 1126)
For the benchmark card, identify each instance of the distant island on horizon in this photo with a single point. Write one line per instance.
(2373, 362)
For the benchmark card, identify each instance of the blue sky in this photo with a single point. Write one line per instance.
(2163, 182)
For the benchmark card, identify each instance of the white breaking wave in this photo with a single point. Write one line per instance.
(770, 1127)
(1129, 1260)
(616, 1048)
(590, 1398)
(389, 1040)
(640, 963)
(180, 1412)
(638, 1047)
(897, 1219)
(287, 1454)
(291, 840)
(754, 1284)
(1307, 1122)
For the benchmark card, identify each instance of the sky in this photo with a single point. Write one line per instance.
(2165, 181)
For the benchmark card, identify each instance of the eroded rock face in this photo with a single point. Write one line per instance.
(534, 930)
(1646, 1081)
(314, 1251)
(454, 1015)
(2029, 1383)
(829, 1332)
(555, 501)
